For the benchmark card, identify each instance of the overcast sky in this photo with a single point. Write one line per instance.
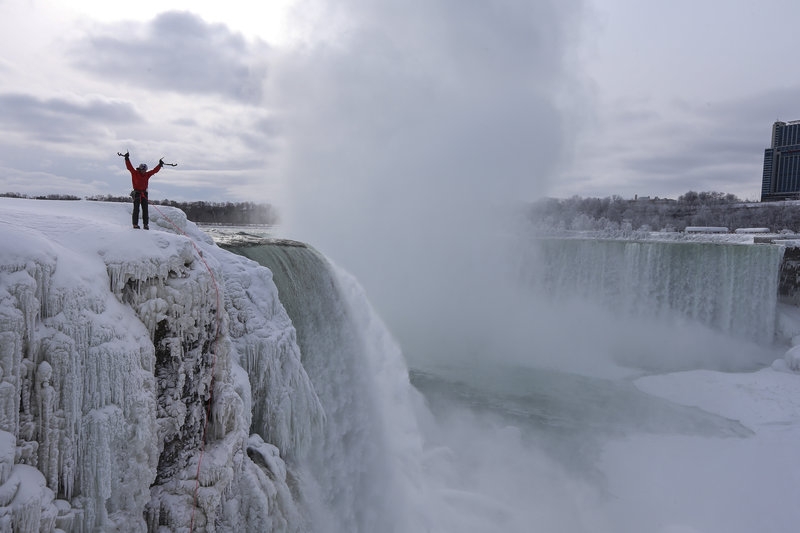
(301, 102)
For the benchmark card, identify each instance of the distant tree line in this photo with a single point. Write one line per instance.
(226, 212)
(40, 197)
(198, 211)
(655, 214)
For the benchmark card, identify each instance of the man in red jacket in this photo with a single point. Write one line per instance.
(139, 178)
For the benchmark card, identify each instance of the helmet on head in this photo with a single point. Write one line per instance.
(142, 167)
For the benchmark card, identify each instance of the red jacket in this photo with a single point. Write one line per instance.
(138, 179)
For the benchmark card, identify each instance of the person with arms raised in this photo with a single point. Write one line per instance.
(140, 177)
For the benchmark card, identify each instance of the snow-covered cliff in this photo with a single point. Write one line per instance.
(133, 365)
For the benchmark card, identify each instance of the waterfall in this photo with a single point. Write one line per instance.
(351, 478)
(732, 288)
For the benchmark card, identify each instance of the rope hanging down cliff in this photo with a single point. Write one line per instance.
(213, 360)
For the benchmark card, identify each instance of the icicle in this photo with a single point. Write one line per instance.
(48, 425)
(9, 412)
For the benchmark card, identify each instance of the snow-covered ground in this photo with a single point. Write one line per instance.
(694, 484)
(699, 234)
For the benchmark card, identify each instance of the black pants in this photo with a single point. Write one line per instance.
(140, 197)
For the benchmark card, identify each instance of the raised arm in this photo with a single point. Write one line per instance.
(128, 163)
(157, 167)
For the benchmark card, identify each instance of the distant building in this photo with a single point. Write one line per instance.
(705, 229)
(781, 178)
(751, 230)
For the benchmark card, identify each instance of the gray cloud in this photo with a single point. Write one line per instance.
(69, 141)
(61, 119)
(687, 146)
(757, 111)
(68, 146)
(177, 51)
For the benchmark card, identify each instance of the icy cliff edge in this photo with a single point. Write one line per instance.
(133, 365)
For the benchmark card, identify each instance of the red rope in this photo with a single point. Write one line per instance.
(213, 362)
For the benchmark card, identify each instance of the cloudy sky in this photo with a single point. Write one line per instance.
(305, 102)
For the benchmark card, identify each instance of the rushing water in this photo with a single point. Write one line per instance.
(510, 442)
(345, 481)
(731, 288)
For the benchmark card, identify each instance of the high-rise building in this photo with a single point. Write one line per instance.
(781, 178)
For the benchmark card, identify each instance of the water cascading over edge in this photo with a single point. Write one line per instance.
(346, 475)
(732, 288)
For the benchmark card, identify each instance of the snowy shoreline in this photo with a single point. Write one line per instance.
(693, 484)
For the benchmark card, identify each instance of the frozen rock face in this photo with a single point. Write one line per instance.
(124, 406)
(80, 363)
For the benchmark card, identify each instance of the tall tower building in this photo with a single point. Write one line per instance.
(781, 178)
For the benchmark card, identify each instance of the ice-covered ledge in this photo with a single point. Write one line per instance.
(108, 338)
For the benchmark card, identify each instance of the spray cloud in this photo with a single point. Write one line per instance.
(408, 132)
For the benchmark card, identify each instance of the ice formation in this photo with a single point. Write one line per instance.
(113, 342)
